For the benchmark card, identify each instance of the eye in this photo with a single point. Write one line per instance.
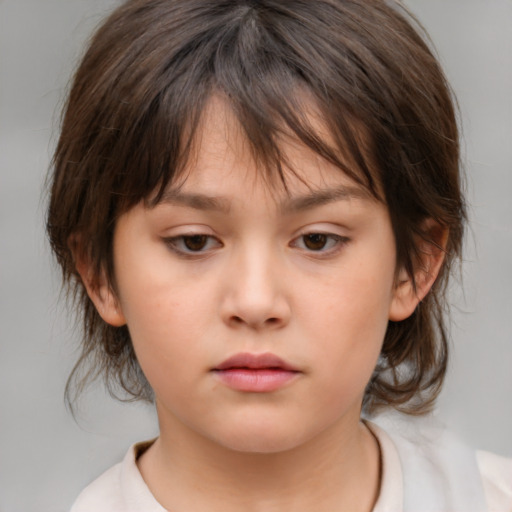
(195, 242)
(319, 242)
(192, 244)
(315, 241)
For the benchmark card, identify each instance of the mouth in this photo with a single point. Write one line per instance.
(255, 373)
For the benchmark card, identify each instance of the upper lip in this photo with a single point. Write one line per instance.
(255, 362)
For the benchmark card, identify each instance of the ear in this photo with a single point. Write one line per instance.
(431, 250)
(99, 290)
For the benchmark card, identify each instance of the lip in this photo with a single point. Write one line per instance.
(256, 373)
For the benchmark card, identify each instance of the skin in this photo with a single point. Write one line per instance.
(258, 280)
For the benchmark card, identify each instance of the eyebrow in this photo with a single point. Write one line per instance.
(307, 201)
(196, 201)
(322, 197)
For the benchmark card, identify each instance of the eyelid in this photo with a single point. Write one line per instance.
(340, 242)
(172, 243)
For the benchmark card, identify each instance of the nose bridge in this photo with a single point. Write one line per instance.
(255, 293)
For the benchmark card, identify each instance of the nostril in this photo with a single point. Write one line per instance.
(269, 322)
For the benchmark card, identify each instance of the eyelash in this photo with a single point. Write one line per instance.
(337, 243)
(177, 244)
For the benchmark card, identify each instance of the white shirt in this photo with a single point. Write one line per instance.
(435, 473)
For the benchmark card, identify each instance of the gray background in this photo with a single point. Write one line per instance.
(46, 457)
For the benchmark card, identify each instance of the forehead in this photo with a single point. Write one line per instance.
(223, 160)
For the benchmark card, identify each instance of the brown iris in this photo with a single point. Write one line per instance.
(315, 241)
(195, 242)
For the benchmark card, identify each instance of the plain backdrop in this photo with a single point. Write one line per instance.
(46, 457)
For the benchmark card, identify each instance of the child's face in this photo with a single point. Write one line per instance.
(223, 267)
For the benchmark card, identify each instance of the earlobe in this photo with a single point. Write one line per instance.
(405, 298)
(107, 305)
(409, 291)
(100, 292)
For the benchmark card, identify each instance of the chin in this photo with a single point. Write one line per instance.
(262, 438)
(261, 445)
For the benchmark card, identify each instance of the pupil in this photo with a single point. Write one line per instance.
(195, 242)
(316, 241)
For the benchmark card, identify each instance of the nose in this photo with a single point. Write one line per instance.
(255, 293)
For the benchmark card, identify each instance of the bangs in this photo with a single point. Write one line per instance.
(267, 130)
(270, 82)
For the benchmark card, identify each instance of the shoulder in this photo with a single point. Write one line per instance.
(441, 473)
(104, 494)
(496, 474)
(120, 489)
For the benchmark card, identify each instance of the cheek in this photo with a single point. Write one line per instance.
(348, 322)
(164, 324)
(165, 318)
(155, 297)
(354, 301)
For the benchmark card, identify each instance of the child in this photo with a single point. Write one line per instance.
(258, 205)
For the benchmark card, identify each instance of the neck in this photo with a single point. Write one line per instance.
(338, 470)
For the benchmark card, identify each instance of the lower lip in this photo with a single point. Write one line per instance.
(256, 380)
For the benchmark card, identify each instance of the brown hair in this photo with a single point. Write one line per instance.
(136, 101)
